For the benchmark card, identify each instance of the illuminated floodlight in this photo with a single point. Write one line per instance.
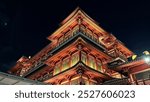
(147, 59)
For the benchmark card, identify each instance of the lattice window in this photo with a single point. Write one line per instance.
(84, 57)
(74, 58)
(92, 63)
(65, 64)
(60, 40)
(95, 38)
(57, 68)
(99, 66)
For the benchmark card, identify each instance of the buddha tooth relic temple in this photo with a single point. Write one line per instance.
(80, 52)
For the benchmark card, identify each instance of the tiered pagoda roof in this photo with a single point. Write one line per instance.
(78, 34)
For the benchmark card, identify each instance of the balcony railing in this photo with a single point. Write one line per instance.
(123, 81)
(46, 76)
(141, 82)
(74, 32)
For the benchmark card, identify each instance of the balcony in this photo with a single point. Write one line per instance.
(123, 81)
(141, 82)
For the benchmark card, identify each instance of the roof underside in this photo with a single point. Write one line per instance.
(7, 79)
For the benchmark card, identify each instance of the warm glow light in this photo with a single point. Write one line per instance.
(134, 57)
(146, 52)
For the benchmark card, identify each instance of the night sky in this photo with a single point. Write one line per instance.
(25, 24)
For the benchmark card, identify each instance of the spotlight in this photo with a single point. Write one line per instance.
(147, 59)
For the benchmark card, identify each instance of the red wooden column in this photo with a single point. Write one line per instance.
(131, 78)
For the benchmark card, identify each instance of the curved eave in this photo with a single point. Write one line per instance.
(132, 66)
(72, 18)
(125, 49)
(76, 11)
(74, 42)
(66, 44)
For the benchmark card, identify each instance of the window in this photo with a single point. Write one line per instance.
(83, 57)
(92, 63)
(89, 33)
(57, 68)
(74, 58)
(65, 64)
(99, 66)
(95, 38)
(60, 40)
(67, 35)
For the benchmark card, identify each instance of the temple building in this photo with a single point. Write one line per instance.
(82, 53)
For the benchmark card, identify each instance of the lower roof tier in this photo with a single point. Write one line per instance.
(97, 75)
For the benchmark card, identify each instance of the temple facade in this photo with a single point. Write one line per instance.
(82, 53)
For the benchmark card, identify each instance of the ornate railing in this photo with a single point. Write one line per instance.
(46, 76)
(75, 31)
(123, 81)
(141, 82)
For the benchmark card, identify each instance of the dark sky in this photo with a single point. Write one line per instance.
(25, 24)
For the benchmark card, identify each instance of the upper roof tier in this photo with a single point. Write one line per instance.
(78, 19)
(73, 18)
